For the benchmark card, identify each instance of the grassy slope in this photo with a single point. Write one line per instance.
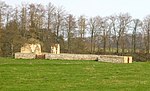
(58, 75)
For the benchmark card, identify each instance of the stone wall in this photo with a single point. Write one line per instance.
(101, 58)
(115, 59)
(71, 56)
(25, 55)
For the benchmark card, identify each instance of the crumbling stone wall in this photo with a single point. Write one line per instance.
(71, 56)
(115, 59)
(29, 51)
(25, 55)
(55, 49)
(102, 58)
(31, 48)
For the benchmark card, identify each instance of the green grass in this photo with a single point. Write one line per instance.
(61, 75)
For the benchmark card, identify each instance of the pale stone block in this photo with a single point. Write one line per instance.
(130, 59)
(55, 49)
(125, 59)
(26, 49)
(58, 49)
(37, 49)
(25, 56)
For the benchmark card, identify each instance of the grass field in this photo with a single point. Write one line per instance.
(61, 75)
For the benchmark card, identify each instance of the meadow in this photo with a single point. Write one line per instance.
(69, 75)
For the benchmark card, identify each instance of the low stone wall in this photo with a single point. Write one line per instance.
(115, 59)
(101, 58)
(25, 55)
(71, 56)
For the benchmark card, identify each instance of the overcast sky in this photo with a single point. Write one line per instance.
(136, 8)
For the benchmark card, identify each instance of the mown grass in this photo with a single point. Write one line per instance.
(61, 75)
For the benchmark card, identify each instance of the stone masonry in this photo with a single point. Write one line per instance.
(55, 49)
(31, 48)
(32, 51)
(71, 56)
(29, 51)
(25, 55)
(115, 59)
(101, 58)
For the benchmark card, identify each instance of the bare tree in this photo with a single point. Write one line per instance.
(125, 21)
(50, 15)
(32, 13)
(36, 14)
(3, 11)
(146, 28)
(106, 26)
(113, 20)
(120, 26)
(23, 17)
(92, 26)
(82, 26)
(70, 25)
(59, 18)
(81, 31)
(137, 24)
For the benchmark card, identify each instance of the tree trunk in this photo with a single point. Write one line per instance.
(148, 42)
(92, 35)
(12, 50)
(104, 39)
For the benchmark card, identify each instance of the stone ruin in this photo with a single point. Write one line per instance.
(100, 58)
(55, 49)
(36, 49)
(32, 51)
(29, 51)
(31, 48)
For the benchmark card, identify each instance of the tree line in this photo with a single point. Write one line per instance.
(50, 25)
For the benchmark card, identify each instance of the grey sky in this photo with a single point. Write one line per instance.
(136, 8)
